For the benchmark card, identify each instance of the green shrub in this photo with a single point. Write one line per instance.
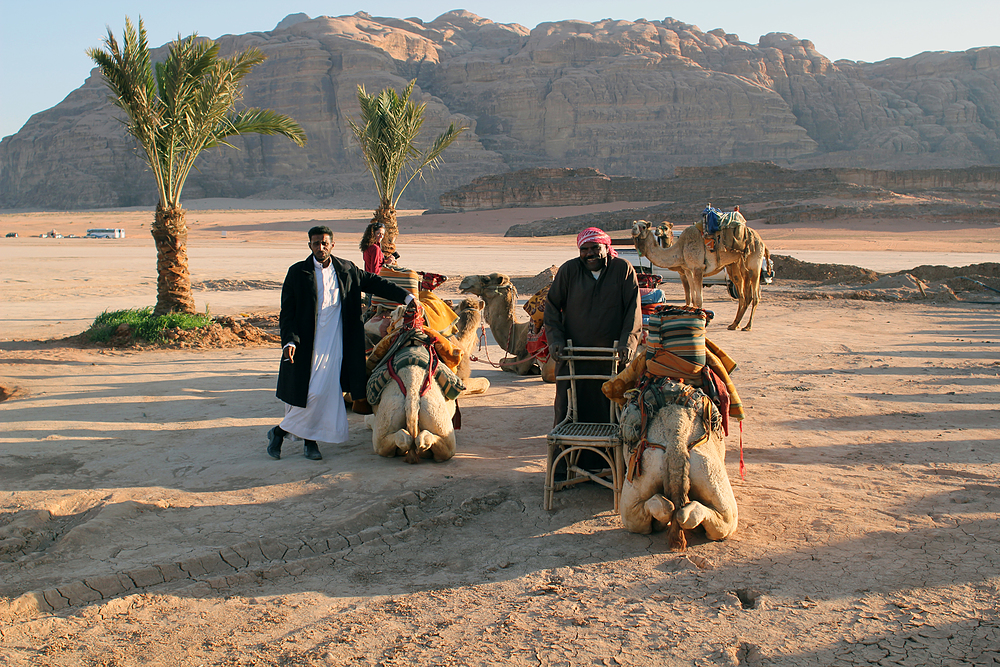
(143, 324)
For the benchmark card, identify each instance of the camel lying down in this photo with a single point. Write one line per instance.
(674, 488)
(414, 426)
(421, 426)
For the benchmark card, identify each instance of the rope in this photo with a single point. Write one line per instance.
(484, 346)
(743, 468)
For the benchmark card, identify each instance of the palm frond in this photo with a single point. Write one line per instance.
(184, 104)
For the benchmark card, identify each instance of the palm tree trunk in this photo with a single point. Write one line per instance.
(173, 280)
(386, 215)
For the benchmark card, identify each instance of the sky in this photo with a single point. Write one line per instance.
(42, 43)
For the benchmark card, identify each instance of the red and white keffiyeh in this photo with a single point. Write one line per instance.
(597, 236)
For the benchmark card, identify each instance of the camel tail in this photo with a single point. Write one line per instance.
(413, 413)
(678, 487)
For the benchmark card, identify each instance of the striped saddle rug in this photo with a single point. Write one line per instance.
(412, 355)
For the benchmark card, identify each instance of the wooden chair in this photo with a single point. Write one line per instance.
(573, 435)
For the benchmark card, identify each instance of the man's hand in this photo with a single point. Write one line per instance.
(555, 351)
(288, 354)
(624, 356)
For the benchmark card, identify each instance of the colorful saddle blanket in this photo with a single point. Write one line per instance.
(412, 355)
(653, 395)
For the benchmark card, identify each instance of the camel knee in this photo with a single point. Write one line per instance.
(660, 508)
(391, 444)
(717, 526)
(636, 519)
(440, 447)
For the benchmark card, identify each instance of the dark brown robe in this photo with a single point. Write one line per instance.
(592, 313)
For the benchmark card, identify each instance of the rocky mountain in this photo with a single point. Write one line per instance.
(628, 98)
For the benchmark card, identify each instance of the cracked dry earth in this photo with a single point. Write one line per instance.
(143, 524)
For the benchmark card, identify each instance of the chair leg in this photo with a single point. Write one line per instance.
(550, 472)
(619, 475)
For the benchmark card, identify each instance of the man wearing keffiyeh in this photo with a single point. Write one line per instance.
(594, 300)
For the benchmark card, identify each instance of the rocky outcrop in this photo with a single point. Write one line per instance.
(763, 191)
(738, 183)
(630, 98)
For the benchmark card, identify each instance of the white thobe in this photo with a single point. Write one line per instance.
(325, 416)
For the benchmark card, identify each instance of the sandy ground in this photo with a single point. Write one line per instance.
(142, 522)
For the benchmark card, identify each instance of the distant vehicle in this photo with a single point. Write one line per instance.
(12, 235)
(105, 233)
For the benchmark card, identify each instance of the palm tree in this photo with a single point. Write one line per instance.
(175, 110)
(389, 125)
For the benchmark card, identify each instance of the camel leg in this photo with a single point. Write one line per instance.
(715, 508)
(642, 507)
(749, 286)
(437, 434)
(695, 277)
(742, 307)
(754, 299)
(441, 447)
(389, 435)
(519, 366)
(475, 386)
(687, 287)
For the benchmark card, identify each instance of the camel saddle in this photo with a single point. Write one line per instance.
(724, 230)
(412, 348)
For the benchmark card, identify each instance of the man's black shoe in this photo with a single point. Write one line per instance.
(312, 451)
(275, 437)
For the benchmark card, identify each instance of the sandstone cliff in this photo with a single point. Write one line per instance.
(627, 98)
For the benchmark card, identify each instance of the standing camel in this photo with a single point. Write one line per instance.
(689, 257)
(500, 296)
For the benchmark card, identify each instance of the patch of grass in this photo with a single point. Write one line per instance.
(143, 324)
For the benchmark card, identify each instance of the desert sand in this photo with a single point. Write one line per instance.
(143, 524)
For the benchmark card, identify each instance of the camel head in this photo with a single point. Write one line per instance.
(468, 303)
(478, 285)
(664, 234)
(644, 232)
(641, 229)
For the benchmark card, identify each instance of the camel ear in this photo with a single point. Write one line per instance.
(494, 279)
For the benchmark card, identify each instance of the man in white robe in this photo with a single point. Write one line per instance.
(321, 318)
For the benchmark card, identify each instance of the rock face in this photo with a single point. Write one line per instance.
(628, 98)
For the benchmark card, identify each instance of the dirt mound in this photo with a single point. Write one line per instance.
(529, 286)
(226, 285)
(256, 330)
(972, 282)
(789, 268)
(906, 281)
(939, 273)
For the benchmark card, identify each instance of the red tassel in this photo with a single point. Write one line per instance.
(743, 468)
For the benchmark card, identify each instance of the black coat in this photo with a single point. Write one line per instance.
(297, 323)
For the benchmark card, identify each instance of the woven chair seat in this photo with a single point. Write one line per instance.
(599, 432)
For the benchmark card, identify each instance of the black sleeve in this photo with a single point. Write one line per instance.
(286, 317)
(381, 287)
